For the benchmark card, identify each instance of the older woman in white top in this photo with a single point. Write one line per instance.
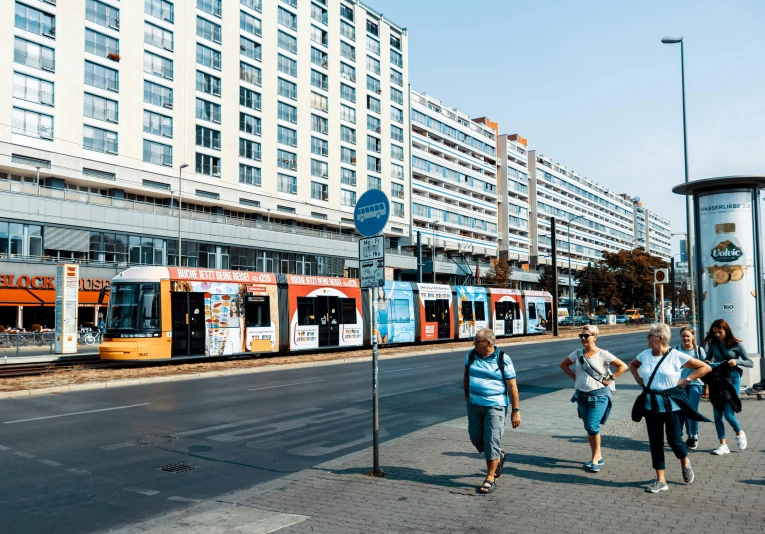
(663, 400)
(592, 378)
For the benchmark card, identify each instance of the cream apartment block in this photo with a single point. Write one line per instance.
(269, 117)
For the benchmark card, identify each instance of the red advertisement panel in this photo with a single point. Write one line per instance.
(215, 275)
(435, 312)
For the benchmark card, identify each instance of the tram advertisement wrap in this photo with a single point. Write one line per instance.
(473, 304)
(538, 311)
(435, 312)
(726, 254)
(395, 313)
(506, 305)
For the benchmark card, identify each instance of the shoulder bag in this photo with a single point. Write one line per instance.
(639, 406)
(594, 374)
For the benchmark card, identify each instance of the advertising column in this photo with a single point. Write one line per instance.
(726, 250)
(67, 285)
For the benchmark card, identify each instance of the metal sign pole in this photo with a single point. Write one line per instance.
(375, 415)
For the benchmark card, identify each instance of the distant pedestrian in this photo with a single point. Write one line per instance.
(593, 381)
(663, 402)
(723, 348)
(489, 383)
(695, 388)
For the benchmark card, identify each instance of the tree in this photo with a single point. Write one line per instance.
(633, 276)
(499, 274)
(546, 279)
(603, 286)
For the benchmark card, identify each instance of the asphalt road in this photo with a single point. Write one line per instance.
(88, 461)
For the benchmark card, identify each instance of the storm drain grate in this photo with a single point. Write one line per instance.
(177, 467)
(154, 439)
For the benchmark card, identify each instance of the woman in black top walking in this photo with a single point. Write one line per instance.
(723, 348)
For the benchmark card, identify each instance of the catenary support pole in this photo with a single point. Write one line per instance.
(554, 241)
(674, 290)
(419, 257)
(589, 276)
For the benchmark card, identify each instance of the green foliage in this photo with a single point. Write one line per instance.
(499, 274)
(546, 279)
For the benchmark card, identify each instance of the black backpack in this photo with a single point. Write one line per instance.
(500, 364)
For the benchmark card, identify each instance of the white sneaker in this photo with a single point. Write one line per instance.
(741, 440)
(722, 449)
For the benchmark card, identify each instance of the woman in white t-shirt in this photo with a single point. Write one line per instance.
(662, 409)
(592, 377)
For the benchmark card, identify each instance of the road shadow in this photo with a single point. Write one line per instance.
(570, 478)
(753, 482)
(451, 482)
(619, 443)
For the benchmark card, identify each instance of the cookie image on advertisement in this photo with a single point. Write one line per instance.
(721, 276)
(737, 273)
(753, 292)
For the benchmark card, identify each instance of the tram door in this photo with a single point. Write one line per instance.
(188, 319)
(328, 316)
(443, 318)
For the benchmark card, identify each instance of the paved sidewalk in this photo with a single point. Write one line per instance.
(432, 477)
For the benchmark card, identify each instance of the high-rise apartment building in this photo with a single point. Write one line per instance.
(269, 119)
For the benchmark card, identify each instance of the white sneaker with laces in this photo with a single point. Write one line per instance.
(722, 449)
(741, 440)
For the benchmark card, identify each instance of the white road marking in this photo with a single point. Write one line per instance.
(76, 413)
(24, 454)
(78, 471)
(183, 499)
(142, 491)
(50, 463)
(118, 446)
(404, 369)
(285, 385)
(4, 448)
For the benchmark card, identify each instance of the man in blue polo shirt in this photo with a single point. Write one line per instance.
(488, 395)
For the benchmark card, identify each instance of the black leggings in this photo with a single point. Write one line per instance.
(655, 423)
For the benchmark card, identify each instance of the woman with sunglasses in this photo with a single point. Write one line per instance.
(657, 370)
(592, 377)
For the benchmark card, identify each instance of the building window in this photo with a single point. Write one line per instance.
(373, 104)
(159, 9)
(396, 59)
(396, 171)
(102, 45)
(213, 7)
(347, 30)
(158, 65)
(396, 115)
(320, 147)
(395, 41)
(208, 57)
(287, 42)
(156, 36)
(286, 184)
(373, 28)
(373, 45)
(347, 198)
(207, 111)
(347, 72)
(207, 83)
(397, 134)
(100, 108)
(347, 93)
(396, 190)
(319, 124)
(373, 84)
(374, 144)
(398, 209)
(397, 152)
(250, 49)
(319, 102)
(255, 5)
(348, 135)
(319, 80)
(249, 124)
(319, 14)
(102, 14)
(33, 55)
(373, 182)
(286, 136)
(32, 89)
(286, 160)
(347, 51)
(287, 89)
(319, 58)
(99, 140)
(250, 24)
(319, 191)
(249, 99)
(373, 65)
(347, 113)
(374, 124)
(347, 155)
(249, 175)
(347, 176)
(287, 65)
(292, 3)
(158, 95)
(287, 19)
(249, 149)
(396, 96)
(208, 30)
(157, 124)
(374, 164)
(319, 169)
(249, 73)
(32, 124)
(287, 113)
(157, 153)
(208, 138)
(35, 21)
(208, 165)
(396, 77)
(319, 36)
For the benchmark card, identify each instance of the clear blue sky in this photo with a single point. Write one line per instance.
(590, 84)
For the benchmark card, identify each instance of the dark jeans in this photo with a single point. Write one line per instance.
(655, 423)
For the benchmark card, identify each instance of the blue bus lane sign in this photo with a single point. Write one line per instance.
(371, 213)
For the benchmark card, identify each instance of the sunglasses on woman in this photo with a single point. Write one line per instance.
(585, 336)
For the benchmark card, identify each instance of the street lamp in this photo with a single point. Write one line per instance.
(180, 189)
(570, 282)
(689, 240)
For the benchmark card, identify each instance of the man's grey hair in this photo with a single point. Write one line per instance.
(663, 331)
(487, 334)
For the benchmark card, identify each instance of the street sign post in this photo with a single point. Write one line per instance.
(370, 217)
(660, 278)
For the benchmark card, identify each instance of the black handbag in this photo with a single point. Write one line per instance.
(638, 408)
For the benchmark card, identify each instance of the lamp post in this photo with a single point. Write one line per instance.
(570, 282)
(180, 190)
(689, 238)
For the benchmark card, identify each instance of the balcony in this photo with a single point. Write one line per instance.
(33, 130)
(33, 60)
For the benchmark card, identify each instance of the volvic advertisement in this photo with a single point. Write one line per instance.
(726, 253)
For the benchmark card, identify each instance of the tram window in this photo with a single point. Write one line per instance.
(149, 306)
(430, 311)
(499, 310)
(400, 311)
(348, 307)
(467, 310)
(257, 311)
(532, 311)
(305, 311)
(443, 310)
(480, 311)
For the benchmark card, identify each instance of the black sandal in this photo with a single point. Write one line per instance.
(485, 490)
(501, 464)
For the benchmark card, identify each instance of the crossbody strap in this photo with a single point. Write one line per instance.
(650, 380)
(589, 369)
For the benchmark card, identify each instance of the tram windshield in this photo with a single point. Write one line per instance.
(133, 307)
